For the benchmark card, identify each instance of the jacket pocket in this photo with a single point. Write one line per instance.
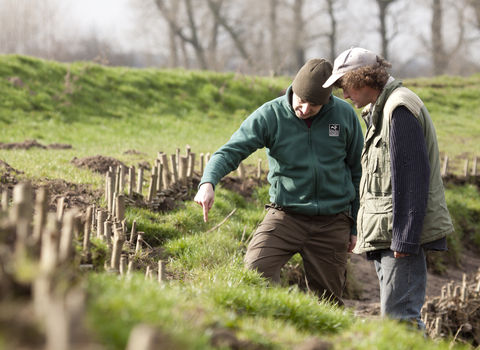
(279, 193)
(377, 219)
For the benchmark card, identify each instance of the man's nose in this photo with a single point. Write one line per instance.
(305, 109)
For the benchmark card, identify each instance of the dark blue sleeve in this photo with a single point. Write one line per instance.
(410, 180)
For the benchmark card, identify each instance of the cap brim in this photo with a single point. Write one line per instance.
(333, 78)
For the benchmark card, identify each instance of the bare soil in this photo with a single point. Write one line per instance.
(364, 271)
(76, 195)
(99, 164)
(27, 144)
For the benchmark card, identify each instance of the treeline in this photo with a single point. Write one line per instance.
(257, 37)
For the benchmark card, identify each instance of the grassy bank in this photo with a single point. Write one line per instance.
(107, 111)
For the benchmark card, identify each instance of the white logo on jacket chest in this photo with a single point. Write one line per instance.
(334, 130)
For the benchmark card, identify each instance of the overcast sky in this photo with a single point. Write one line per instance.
(109, 18)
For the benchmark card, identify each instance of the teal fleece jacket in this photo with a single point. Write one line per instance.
(313, 171)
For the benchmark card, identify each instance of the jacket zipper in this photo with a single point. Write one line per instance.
(310, 143)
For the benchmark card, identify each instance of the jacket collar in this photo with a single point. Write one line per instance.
(377, 107)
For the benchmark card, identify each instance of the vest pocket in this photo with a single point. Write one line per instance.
(377, 219)
(379, 176)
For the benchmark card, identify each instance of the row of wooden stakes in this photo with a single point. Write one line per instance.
(453, 312)
(166, 180)
(467, 171)
(44, 243)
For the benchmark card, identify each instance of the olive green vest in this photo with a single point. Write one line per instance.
(374, 223)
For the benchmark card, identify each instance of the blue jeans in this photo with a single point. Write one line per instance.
(403, 284)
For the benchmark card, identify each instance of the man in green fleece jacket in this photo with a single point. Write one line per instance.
(313, 142)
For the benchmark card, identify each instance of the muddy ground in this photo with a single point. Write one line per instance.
(364, 271)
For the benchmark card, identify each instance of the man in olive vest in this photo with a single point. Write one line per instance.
(403, 213)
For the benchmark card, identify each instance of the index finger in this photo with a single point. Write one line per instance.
(205, 212)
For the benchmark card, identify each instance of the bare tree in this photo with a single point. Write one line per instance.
(32, 28)
(298, 32)
(170, 15)
(215, 7)
(332, 35)
(441, 55)
(475, 4)
(273, 29)
(382, 6)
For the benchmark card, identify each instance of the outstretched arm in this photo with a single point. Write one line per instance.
(205, 198)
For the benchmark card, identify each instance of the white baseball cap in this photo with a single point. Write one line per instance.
(350, 60)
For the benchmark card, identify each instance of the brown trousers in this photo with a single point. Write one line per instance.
(321, 240)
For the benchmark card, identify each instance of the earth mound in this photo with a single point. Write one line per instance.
(99, 164)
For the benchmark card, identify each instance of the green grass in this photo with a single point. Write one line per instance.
(107, 111)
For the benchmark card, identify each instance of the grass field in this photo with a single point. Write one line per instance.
(107, 111)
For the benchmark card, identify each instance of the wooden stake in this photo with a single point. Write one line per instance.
(143, 337)
(122, 171)
(101, 217)
(191, 166)
(438, 326)
(117, 180)
(118, 240)
(140, 181)
(177, 157)
(474, 167)
(21, 216)
(60, 208)
(131, 267)
(152, 191)
(49, 255)
(107, 230)
(148, 273)
(183, 167)
(445, 166)
(111, 193)
(159, 176)
(188, 150)
(108, 179)
(138, 248)
(120, 207)
(123, 265)
(94, 218)
(131, 181)
(66, 237)
(41, 210)
(5, 200)
(87, 230)
(450, 288)
(241, 171)
(259, 171)
(161, 272)
(201, 164)
(167, 176)
(174, 169)
(207, 158)
(463, 294)
(133, 232)
(465, 169)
